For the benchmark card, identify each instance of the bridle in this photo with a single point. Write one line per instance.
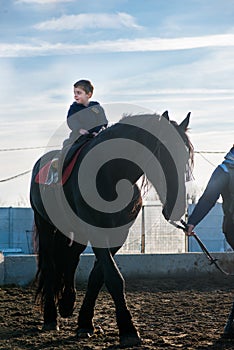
(183, 226)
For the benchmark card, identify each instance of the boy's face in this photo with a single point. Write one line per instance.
(81, 96)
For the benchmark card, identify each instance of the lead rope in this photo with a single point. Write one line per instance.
(211, 259)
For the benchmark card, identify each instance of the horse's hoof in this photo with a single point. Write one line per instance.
(65, 313)
(227, 335)
(130, 340)
(52, 326)
(84, 332)
(228, 331)
(67, 304)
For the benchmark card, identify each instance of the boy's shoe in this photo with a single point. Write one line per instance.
(55, 176)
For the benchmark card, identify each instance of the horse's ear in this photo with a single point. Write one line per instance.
(184, 124)
(165, 115)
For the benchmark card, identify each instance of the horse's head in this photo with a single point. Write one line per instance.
(182, 129)
(162, 150)
(174, 202)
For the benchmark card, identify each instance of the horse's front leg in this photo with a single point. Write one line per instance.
(95, 283)
(71, 259)
(114, 282)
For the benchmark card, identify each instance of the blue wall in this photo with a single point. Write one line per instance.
(16, 226)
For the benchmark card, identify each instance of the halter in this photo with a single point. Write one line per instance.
(211, 259)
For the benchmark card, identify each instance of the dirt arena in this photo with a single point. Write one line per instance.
(169, 314)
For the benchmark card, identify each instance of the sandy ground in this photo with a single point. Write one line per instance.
(169, 314)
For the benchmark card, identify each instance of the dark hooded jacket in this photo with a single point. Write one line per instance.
(91, 117)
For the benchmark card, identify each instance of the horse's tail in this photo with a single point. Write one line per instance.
(39, 280)
(38, 283)
(35, 239)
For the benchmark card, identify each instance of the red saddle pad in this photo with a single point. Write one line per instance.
(42, 175)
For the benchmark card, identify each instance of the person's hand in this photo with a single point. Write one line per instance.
(190, 231)
(83, 132)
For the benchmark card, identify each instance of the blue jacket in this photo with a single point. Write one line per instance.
(218, 185)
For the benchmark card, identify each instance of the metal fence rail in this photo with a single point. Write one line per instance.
(151, 233)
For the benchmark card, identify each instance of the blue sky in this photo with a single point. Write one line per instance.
(175, 55)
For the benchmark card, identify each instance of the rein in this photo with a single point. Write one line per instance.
(211, 259)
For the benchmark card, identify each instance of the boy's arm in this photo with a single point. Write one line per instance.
(72, 115)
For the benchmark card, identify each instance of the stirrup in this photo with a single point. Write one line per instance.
(53, 176)
(55, 163)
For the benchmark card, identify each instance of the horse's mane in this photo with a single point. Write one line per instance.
(144, 183)
(190, 147)
(139, 115)
(146, 118)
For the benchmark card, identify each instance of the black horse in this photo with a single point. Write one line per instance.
(68, 216)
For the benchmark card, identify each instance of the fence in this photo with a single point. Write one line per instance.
(150, 233)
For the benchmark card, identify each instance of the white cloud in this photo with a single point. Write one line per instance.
(187, 91)
(121, 45)
(89, 20)
(41, 2)
(159, 44)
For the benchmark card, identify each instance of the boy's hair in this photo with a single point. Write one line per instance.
(85, 85)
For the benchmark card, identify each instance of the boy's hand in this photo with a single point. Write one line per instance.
(83, 132)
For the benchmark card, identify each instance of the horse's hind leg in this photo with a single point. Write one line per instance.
(46, 273)
(71, 256)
